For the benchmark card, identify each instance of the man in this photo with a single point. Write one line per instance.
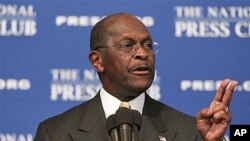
(122, 52)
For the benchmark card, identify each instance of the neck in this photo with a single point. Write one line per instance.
(125, 98)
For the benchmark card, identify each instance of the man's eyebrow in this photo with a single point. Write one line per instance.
(147, 38)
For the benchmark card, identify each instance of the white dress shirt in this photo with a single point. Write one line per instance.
(110, 103)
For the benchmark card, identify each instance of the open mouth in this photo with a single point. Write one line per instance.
(141, 70)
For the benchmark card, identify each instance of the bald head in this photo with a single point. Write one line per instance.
(110, 25)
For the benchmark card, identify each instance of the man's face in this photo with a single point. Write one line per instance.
(126, 74)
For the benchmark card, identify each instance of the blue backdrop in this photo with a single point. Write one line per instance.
(44, 47)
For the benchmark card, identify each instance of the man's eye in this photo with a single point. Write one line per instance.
(147, 45)
(128, 45)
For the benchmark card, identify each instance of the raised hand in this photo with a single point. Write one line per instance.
(212, 122)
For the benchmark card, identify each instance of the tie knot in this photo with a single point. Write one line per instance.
(125, 105)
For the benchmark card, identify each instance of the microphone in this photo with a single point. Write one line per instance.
(124, 121)
(111, 128)
(137, 120)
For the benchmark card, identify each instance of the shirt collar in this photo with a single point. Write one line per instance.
(110, 103)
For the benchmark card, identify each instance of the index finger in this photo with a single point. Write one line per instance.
(221, 91)
(229, 92)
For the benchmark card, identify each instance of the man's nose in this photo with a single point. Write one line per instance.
(140, 53)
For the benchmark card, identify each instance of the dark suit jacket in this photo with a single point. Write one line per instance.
(87, 122)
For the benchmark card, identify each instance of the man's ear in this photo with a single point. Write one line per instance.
(95, 58)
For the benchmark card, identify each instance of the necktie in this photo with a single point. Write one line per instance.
(125, 105)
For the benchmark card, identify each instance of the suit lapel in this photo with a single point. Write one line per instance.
(93, 125)
(153, 127)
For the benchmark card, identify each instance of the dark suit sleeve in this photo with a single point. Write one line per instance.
(198, 137)
(41, 134)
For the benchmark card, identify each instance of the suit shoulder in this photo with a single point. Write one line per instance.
(69, 118)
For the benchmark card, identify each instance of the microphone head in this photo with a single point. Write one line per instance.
(110, 124)
(137, 118)
(124, 116)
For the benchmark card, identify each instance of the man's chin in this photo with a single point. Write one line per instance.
(141, 88)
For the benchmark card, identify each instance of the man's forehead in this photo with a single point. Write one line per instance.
(125, 33)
